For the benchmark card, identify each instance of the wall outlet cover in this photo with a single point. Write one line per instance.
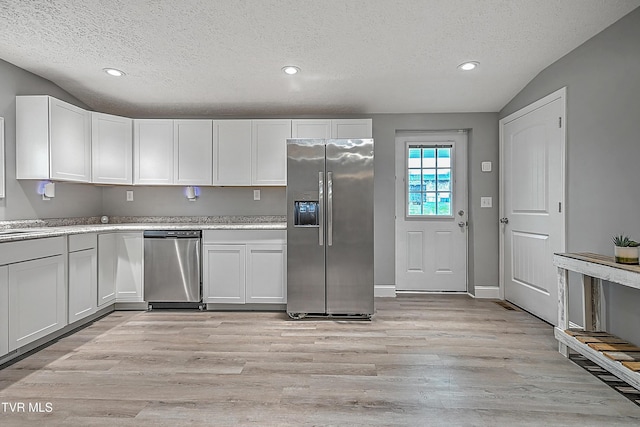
(129, 195)
(256, 194)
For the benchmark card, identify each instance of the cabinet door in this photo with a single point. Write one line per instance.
(129, 258)
(83, 284)
(269, 151)
(4, 310)
(266, 274)
(2, 162)
(224, 273)
(193, 152)
(37, 300)
(153, 152)
(352, 128)
(106, 269)
(311, 129)
(111, 149)
(232, 152)
(70, 142)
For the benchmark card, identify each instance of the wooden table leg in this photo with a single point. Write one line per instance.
(563, 306)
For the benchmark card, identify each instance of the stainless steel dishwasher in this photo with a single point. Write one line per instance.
(172, 268)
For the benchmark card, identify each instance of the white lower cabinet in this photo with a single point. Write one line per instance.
(224, 273)
(120, 268)
(4, 310)
(244, 266)
(37, 299)
(106, 269)
(266, 273)
(83, 276)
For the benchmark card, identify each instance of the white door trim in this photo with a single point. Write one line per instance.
(402, 140)
(559, 94)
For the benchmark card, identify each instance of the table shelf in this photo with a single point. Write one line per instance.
(594, 268)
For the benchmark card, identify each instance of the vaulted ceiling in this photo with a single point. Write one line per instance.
(224, 57)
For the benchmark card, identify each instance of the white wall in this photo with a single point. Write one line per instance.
(603, 150)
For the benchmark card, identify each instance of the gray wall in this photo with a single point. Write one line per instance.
(603, 149)
(171, 201)
(483, 223)
(22, 200)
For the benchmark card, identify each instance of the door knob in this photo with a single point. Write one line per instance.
(462, 224)
(504, 220)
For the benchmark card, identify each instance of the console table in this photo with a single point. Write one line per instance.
(594, 268)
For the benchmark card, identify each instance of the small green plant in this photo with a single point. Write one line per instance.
(624, 241)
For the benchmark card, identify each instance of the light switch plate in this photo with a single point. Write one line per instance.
(486, 202)
(486, 166)
(256, 194)
(129, 195)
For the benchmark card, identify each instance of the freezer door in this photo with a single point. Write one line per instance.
(305, 226)
(349, 229)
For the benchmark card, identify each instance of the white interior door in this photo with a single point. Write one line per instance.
(431, 212)
(532, 210)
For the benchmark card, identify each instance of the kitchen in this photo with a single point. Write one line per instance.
(611, 52)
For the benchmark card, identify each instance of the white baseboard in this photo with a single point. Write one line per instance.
(384, 291)
(487, 292)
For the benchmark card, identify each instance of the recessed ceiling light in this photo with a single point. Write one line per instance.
(291, 69)
(468, 66)
(113, 72)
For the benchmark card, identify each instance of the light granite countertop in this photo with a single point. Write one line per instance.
(11, 231)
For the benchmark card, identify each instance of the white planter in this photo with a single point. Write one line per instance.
(626, 255)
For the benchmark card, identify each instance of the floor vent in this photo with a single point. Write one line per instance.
(506, 305)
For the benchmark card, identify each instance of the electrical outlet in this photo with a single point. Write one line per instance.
(486, 166)
(256, 194)
(129, 195)
(486, 202)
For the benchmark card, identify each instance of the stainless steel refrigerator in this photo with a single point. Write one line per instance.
(330, 227)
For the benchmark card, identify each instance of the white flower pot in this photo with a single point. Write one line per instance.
(626, 255)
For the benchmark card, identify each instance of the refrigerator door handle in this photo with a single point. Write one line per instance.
(329, 208)
(321, 208)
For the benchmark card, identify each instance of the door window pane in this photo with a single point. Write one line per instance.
(429, 188)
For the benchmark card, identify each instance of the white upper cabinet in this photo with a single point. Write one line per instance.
(193, 146)
(336, 128)
(232, 152)
(2, 169)
(111, 149)
(269, 151)
(53, 140)
(153, 152)
(168, 152)
(320, 128)
(352, 128)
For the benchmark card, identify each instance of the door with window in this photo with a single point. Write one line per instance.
(431, 212)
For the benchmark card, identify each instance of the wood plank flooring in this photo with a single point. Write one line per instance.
(425, 360)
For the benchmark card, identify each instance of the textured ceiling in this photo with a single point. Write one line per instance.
(224, 57)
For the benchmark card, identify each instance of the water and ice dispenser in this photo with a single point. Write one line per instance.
(306, 214)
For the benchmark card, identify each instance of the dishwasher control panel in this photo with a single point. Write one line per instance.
(178, 234)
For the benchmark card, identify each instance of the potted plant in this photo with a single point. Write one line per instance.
(625, 250)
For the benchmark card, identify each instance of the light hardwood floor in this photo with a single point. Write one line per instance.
(422, 361)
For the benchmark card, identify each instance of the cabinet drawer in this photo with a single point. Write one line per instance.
(12, 252)
(245, 236)
(80, 242)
